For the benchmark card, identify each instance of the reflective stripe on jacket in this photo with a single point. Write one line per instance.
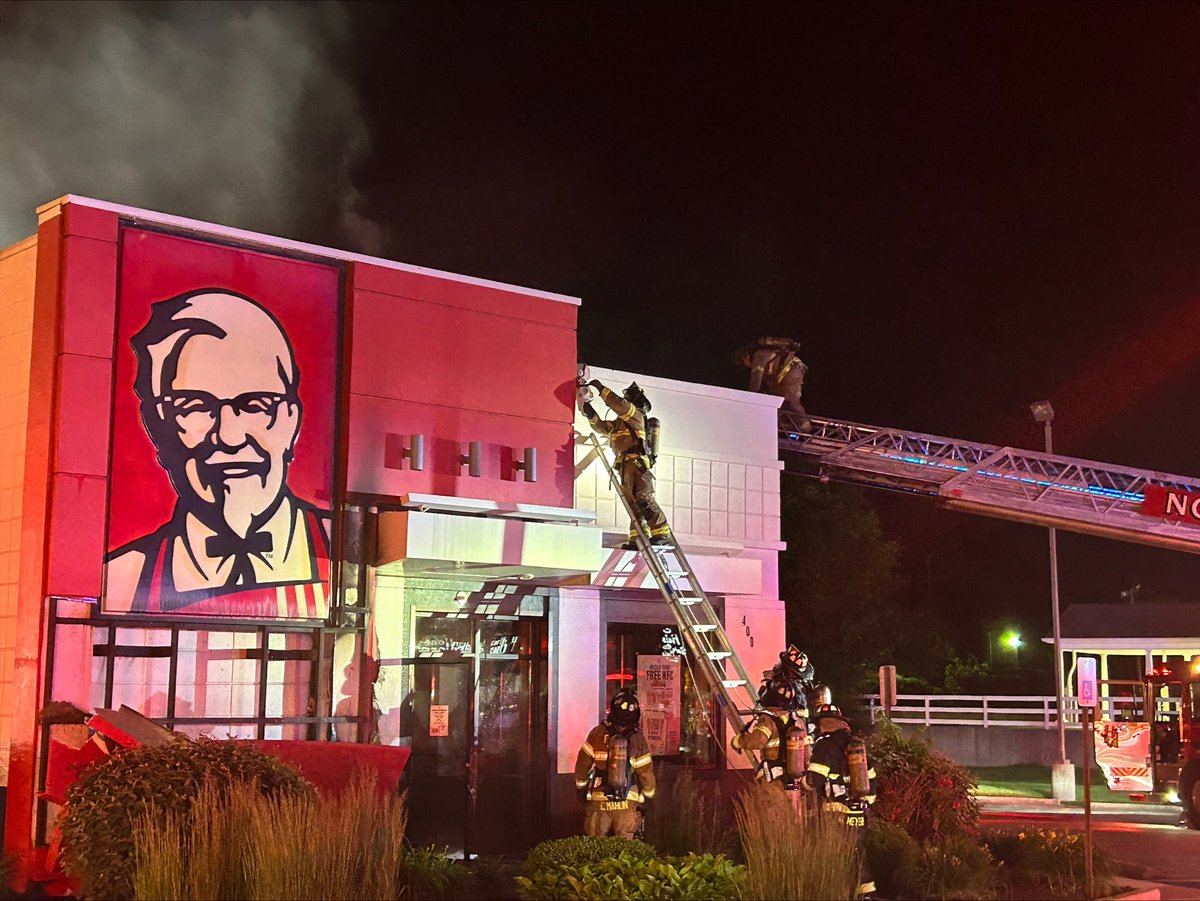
(592, 760)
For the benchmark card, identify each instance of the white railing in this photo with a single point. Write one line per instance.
(1000, 710)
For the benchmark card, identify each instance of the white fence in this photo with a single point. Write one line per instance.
(1004, 710)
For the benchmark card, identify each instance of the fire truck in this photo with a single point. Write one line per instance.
(1171, 705)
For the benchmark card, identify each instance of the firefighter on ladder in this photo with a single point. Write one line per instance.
(776, 369)
(633, 438)
(781, 734)
(843, 780)
(614, 774)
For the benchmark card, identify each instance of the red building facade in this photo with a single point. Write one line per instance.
(254, 488)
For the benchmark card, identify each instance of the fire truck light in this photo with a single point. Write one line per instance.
(1172, 798)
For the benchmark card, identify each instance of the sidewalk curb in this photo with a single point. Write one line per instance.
(1138, 890)
(1003, 802)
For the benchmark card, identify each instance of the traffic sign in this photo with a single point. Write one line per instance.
(1085, 678)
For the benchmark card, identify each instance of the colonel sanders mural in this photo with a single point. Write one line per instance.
(217, 387)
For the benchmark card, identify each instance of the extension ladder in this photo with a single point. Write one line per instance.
(702, 632)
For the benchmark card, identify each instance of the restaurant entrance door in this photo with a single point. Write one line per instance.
(477, 727)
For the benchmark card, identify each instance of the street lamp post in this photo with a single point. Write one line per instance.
(1062, 775)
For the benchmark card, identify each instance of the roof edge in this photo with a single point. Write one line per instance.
(199, 226)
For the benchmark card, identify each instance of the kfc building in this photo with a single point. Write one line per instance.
(255, 488)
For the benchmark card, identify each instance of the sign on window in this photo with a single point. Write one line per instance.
(659, 693)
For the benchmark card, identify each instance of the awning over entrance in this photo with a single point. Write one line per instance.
(432, 544)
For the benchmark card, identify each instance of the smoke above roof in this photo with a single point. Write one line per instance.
(242, 114)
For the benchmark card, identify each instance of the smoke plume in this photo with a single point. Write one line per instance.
(240, 114)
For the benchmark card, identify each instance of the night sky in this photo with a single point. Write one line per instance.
(956, 208)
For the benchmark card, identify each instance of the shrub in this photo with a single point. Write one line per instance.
(102, 806)
(890, 850)
(965, 673)
(1051, 860)
(428, 874)
(920, 789)
(957, 867)
(688, 816)
(236, 843)
(580, 850)
(790, 854)
(631, 877)
(490, 878)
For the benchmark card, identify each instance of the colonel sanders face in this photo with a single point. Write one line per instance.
(217, 380)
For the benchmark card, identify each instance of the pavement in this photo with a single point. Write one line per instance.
(1132, 888)
(1132, 811)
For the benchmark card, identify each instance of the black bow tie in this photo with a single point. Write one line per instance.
(223, 546)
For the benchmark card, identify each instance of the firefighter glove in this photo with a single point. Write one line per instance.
(595, 383)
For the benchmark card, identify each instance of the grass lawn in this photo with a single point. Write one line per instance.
(1034, 782)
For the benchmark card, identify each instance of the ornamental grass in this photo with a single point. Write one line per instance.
(793, 854)
(235, 843)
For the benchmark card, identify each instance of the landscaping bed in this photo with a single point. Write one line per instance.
(171, 824)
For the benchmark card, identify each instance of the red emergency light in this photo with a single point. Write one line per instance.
(1162, 671)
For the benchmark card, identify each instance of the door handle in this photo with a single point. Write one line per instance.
(472, 789)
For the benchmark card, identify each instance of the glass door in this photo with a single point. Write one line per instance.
(440, 724)
(510, 749)
(476, 721)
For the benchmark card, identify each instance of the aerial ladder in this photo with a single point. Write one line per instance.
(1010, 483)
(704, 637)
(1043, 489)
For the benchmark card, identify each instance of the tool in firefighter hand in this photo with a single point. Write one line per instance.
(704, 637)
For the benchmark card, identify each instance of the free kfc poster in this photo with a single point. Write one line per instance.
(224, 431)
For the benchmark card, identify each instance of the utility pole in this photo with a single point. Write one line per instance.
(1062, 774)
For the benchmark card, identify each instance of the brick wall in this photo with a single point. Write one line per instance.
(16, 337)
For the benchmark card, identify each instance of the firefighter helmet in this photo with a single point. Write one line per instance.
(636, 396)
(779, 692)
(793, 662)
(830, 712)
(820, 695)
(624, 712)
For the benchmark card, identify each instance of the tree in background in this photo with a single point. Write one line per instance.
(840, 580)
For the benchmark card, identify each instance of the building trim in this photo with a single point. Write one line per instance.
(198, 226)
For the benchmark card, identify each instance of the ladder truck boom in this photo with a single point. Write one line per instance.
(1043, 489)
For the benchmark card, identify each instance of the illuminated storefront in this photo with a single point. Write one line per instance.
(253, 488)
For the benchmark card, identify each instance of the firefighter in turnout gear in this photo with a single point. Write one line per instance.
(775, 369)
(614, 774)
(843, 780)
(781, 734)
(633, 438)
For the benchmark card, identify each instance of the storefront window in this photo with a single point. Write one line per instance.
(666, 711)
(442, 635)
